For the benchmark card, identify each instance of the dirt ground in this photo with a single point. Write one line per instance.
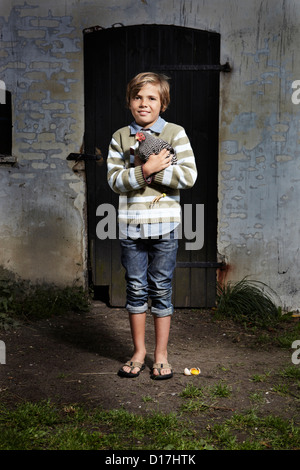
(75, 359)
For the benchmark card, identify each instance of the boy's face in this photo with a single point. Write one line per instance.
(146, 105)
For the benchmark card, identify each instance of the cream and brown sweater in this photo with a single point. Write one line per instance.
(137, 194)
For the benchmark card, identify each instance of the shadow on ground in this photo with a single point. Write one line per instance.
(75, 359)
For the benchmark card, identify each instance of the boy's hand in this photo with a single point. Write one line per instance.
(156, 163)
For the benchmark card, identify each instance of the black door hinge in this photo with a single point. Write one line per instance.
(195, 68)
(76, 157)
(199, 264)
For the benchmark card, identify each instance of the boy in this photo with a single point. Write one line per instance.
(149, 212)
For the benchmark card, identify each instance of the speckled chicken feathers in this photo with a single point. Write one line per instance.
(149, 144)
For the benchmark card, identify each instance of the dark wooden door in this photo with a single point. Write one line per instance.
(191, 59)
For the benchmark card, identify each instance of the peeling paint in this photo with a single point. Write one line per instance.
(42, 65)
(41, 62)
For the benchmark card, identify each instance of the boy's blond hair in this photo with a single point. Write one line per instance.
(144, 78)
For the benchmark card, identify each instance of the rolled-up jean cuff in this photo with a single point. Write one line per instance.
(159, 312)
(137, 309)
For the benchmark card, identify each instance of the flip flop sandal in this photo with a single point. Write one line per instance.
(132, 365)
(159, 366)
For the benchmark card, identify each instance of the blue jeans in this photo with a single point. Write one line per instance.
(149, 265)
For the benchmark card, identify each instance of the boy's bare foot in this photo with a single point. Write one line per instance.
(161, 370)
(135, 358)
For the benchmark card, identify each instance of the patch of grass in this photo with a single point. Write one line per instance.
(290, 382)
(221, 390)
(291, 372)
(7, 322)
(257, 397)
(281, 388)
(198, 399)
(47, 426)
(194, 406)
(147, 398)
(248, 431)
(260, 377)
(286, 338)
(247, 301)
(44, 426)
(6, 302)
(22, 300)
(191, 391)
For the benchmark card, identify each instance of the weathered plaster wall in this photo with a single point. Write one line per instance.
(42, 202)
(259, 152)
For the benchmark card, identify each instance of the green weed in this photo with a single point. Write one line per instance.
(247, 301)
(24, 301)
(220, 390)
(191, 391)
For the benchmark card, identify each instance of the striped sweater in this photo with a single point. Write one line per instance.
(136, 194)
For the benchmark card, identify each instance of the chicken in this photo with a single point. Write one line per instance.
(149, 144)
